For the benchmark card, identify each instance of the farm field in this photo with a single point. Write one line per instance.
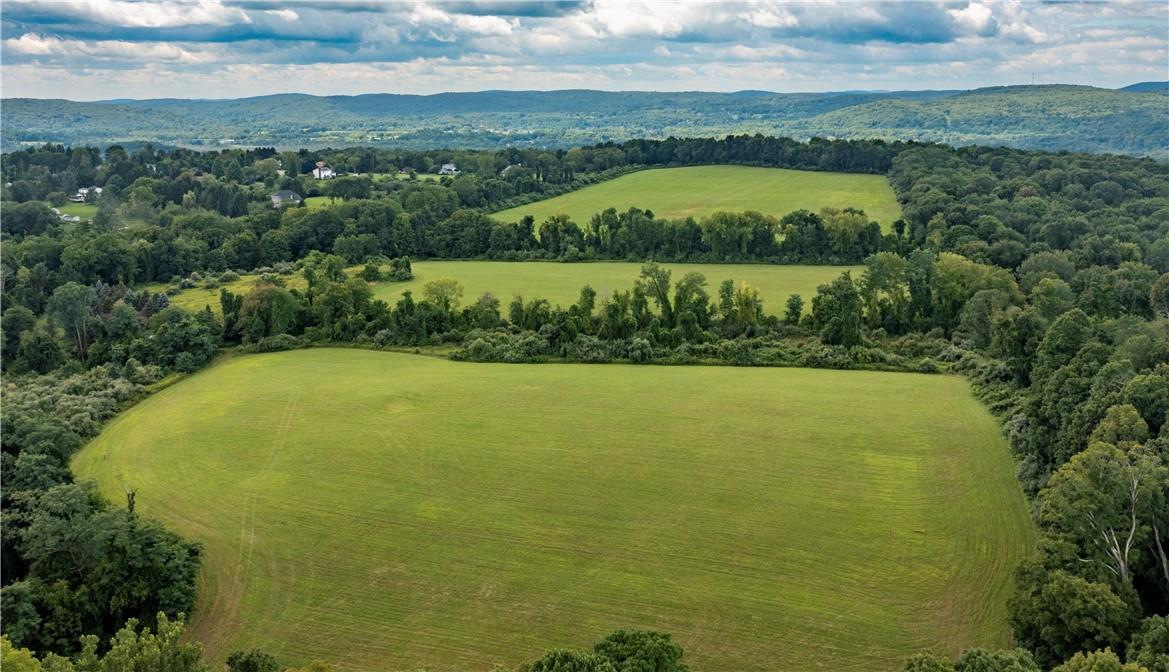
(560, 283)
(697, 191)
(400, 512)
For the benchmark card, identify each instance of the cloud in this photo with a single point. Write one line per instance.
(227, 47)
(132, 14)
(30, 44)
(529, 8)
(975, 17)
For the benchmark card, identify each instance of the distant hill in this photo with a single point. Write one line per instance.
(1131, 120)
(1140, 87)
(1051, 117)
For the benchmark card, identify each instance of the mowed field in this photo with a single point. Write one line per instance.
(82, 210)
(697, 191)
(319, 202)
(399, 512)
(560, 283)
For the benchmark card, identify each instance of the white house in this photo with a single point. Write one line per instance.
(448, 169)
(83, 193)
(323, 171)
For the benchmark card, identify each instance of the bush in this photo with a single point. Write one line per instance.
(277, 343)
(640, 350)
(588, 349)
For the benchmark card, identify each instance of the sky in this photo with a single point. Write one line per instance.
(102, 49)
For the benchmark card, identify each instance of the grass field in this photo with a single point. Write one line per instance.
(318, 202)
(560, 283)
(399, 512)
(82, 210)
(698, 191)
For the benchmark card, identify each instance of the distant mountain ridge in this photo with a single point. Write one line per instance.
(1142, 87)
(1130, 120)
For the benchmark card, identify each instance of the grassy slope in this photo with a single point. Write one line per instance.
(561, 283)
(700, 190)
(396, 512)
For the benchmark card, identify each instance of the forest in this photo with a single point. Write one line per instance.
(1043, 278)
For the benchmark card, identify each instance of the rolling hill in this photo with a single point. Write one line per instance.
(1045, 117)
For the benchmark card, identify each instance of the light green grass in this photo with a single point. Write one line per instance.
(421, 177)
(82, 210)
(319, 202)
(698, 191)
(399, 512)
(558, 282)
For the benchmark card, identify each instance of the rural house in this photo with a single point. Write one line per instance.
(323, 171)
(83, 193)
(285, 197)
(448, 169)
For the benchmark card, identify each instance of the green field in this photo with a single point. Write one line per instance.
(399, 512)
(698, 191)
(318, 202)
(82, 210)
(558, 282)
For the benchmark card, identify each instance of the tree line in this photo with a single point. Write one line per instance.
(162, 648)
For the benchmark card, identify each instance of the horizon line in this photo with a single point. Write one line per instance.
(588, 90)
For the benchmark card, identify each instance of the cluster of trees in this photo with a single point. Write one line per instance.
(105, 323)
(129, 649)
(74, 564)
(1044, 278)
(1150, 653)
(1072, 349)
(164, 649)
(801, 237)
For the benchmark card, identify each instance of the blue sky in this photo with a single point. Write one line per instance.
(95, 49)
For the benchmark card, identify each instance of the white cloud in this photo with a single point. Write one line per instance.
(772, 18)
(38, 45)
(654, 19)
(286, 14)
(147, 14)
(215, 48)
(974, 18)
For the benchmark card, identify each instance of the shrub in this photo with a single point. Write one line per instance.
(277, 343)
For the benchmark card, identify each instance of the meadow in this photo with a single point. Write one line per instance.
(560, 283)
(82, 210)
(400, 512)
(319, 202)
(697, 191)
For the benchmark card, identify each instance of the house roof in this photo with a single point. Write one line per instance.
(286, 195)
